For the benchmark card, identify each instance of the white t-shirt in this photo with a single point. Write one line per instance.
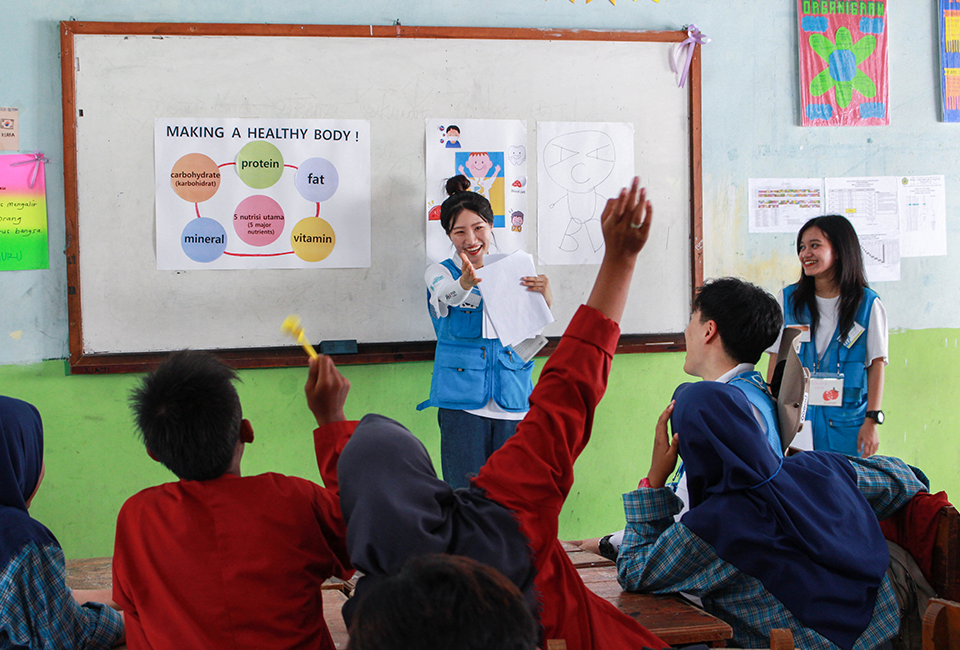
(447, 292)
(877, 336)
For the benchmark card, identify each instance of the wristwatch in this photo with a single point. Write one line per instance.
(876, 415)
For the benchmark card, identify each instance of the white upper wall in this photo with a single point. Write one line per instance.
(750, 125)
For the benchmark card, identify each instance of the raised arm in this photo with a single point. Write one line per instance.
(626, 227)
(533, 472)
(326, 390)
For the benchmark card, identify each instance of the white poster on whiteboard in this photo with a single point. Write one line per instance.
(580, 165)
(262, 194)
(492, 155)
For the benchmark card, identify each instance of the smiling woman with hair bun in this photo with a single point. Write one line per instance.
(480, 386)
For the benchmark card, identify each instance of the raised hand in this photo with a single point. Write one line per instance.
(665, 451)
(626, 222)
(469, 278)
(326, 390)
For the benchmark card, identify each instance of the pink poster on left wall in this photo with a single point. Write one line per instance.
(843, 63)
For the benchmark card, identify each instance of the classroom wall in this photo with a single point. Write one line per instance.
(750, 118)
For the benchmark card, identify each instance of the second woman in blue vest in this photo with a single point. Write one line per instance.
(479, 385)
(845, 342)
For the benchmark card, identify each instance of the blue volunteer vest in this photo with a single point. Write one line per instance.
(755, 389)
(835, 428)
(469, 370)
(752, 385)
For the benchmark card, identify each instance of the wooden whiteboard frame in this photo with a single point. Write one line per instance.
(81, 362)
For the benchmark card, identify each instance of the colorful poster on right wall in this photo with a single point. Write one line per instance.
(950, 59)
(843, 63)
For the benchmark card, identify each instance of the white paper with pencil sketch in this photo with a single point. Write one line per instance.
(516, 313)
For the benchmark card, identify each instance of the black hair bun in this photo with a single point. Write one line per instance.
(458, 183)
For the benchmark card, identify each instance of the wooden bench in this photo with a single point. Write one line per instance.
(941, 625)
(945, 569)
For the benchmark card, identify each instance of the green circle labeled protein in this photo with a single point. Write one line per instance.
(259, 164)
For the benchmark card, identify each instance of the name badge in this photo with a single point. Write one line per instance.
(804, 333)
(826, 390)
(854, 334)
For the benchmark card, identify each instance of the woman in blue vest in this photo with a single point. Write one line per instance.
(479, 385)
(844, 341)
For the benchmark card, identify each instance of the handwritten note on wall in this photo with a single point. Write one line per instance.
(23, 213)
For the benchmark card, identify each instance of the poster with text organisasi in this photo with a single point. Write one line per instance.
(843, 63)
(949, 15)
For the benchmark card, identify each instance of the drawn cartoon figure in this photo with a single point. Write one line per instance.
(516, 218)
(478, 164)
(517, 154)
(453, 137)
(579, 162)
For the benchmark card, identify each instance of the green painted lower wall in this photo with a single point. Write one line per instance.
(94, 460)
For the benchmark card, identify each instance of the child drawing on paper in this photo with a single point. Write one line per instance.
(579, 162)
(478, 164)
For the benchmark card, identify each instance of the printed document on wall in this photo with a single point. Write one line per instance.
(871, 205)
(24, 240)
(262, 194)
(580, 166)
(923, 216)
(784, 204)
(492, 156)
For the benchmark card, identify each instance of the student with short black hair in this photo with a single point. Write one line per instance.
(218, 559)
(769, 541)
(189, 416)
(748, 318)
(732, 323)
(444, 602)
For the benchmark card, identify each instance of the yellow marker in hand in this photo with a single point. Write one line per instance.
(291, 325)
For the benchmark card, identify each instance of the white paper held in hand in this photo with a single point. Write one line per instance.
(516, 313)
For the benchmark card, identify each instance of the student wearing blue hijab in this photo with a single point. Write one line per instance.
(36, 608)
(768, 542)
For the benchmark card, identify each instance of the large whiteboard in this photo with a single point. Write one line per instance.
(119, 77)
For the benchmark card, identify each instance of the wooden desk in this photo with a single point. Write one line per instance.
(670, 617)
(333, 601)
(97, 573)
(90, 573)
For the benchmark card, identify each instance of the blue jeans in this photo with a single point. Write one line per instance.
(467, 441)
